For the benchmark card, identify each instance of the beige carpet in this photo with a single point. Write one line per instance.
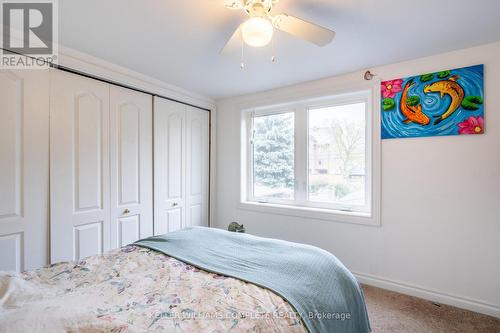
(396, 313)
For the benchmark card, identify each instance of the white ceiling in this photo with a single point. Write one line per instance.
(178, 41)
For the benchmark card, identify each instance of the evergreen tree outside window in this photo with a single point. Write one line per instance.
(273, 156)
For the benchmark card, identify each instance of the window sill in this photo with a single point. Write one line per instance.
(312, 213)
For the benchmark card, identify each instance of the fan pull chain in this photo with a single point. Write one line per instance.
(273, 55)
(242, 60)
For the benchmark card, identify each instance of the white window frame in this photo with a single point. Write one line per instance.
(300, 206)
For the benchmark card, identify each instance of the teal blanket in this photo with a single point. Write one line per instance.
(320, 288)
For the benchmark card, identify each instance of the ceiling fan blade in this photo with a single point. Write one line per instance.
(302, 29)
(233, 42)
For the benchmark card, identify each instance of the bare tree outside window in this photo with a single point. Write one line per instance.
(337, 154)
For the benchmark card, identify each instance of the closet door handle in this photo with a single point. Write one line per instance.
(175, 204)
(126, 211)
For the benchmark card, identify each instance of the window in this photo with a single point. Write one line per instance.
(312, 156)
(337, 155)
(273, 156)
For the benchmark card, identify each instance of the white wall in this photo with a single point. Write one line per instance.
(440, 232)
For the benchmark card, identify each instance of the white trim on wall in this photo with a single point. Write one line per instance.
(428, 294)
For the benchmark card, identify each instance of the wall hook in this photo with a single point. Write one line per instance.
(369, 75)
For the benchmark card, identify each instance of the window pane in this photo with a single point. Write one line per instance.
(273, 156)
(337, 154)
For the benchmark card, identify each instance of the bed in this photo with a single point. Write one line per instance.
(193, 280)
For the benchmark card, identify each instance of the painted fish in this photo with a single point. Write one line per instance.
(412, 113)
(449, 87)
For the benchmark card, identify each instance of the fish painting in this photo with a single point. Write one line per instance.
(449, 87)
(434, 104)
(412, 113)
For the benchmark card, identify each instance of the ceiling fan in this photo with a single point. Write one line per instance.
(258, 29)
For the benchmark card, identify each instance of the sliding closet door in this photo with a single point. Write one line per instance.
(24, 169)
(131, 129)
(79, 157)
(197, 145)
(169, 166)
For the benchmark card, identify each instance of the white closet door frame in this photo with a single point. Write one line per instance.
(24, 166)
(79, 167)
(169, 166)
(131, 147)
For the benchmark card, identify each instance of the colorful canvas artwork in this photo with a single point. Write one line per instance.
(444, 103)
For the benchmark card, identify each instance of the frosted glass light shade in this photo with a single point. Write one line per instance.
(257, 31)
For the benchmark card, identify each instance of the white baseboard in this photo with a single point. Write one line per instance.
(431, 295)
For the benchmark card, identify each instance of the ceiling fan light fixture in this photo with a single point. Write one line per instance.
(257, 31)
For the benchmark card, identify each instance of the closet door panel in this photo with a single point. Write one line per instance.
(131, 166)
(11, 143)
(175, 155)
(24, 162)
(169, 165)
(88, 143)
(79, 143)
(174, 219)
(128, 143)
(88, 239)
(197, 167)
(129, 230)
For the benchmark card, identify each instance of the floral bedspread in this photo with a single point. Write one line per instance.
(134, 289)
